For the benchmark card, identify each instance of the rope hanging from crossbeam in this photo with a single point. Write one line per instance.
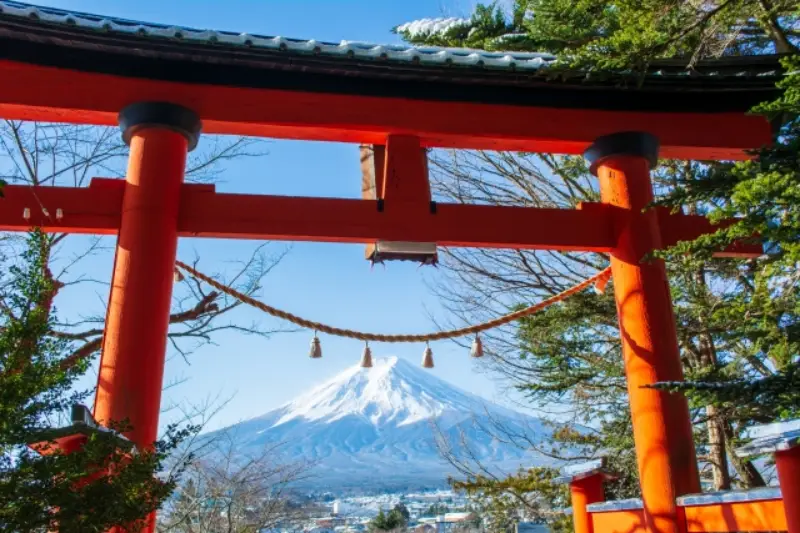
(599, 280)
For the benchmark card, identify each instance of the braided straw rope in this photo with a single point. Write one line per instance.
(600, 277)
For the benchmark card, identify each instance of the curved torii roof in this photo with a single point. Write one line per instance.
(359, 92)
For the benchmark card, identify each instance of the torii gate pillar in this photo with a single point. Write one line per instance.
(662, 426)
(132, 362)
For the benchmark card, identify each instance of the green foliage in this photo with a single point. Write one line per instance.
(531, 489)
(403, 511)
(763, 195)
(774, 397)
(567, 346)
(602, 36)
(737, 320)
(394, 519)
(484, 30)
(436, 509)
(93, 489)
(573, 351)
(754, 330)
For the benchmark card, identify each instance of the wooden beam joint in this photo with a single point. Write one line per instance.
(675, 228)
(405, 185)
(396, 174)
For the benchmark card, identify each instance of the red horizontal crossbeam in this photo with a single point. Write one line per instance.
(676, 228)
(359, 221)
(27, 93)
(96, 209)
(205, 213)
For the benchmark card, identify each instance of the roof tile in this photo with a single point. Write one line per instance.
(424, 55)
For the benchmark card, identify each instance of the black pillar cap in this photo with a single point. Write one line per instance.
(624, 143)
(161, 115)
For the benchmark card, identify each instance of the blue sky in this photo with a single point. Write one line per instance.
(326, 282)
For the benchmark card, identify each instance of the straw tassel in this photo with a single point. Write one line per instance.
(427, 357)
(178, 276)
(601, 283)
(366, 357)
(315, 352)
(477, 348)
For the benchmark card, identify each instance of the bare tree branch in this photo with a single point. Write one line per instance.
(46, 154)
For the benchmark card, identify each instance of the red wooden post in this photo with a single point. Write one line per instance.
(585, 487)
(788, 465)
(585, 491)
(661, 423)
(132, 363)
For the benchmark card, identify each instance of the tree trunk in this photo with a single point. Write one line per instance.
(748, 473)
(717, 453)
(773, 27)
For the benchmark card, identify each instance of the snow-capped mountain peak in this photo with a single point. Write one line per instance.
(374, 427)
(392, 392)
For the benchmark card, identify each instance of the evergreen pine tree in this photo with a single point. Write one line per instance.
(93, 489)
(387, 521)
(402, 510)
(736, 320)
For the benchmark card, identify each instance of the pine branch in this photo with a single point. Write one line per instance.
(773, 397)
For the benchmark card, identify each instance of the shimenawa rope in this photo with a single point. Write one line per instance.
(600, 279)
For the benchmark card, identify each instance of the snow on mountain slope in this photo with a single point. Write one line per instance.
(376, 427)
(392, 392)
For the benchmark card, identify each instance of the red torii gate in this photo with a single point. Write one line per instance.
(160, 87)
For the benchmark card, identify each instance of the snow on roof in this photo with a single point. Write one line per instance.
(432, 26)
(423, 55)
(447, 518)
(774, 429)
(583, 468)
(730, 496)
(458, 517)
(574, 472)
(616, 505)
(771, 438)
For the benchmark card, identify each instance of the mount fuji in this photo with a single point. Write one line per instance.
(376, 429)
